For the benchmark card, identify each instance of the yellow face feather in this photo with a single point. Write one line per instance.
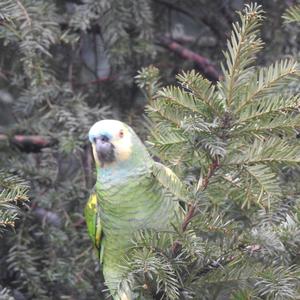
(97, 161)
(123, 145)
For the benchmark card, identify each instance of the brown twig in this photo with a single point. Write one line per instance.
(192, 207)
(203, 63)
(24, 12)
(28, 143)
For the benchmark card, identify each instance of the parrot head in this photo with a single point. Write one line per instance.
(115, 143)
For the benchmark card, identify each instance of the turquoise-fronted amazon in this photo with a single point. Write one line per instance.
(129, 195)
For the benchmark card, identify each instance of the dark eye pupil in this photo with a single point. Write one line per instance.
(104, 138)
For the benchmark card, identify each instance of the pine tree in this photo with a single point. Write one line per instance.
(231, 144)
(64, 65)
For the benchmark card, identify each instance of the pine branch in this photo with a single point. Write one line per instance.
(268, 184)
(242, 48)
(173, 113)
(269, 107)
(165, 140)
(292, 14)
(269, 81)
(228, 258)
(281, 282)
(203, 91)
(281, 125)
(182, 98)
(13, 191)
(272, 151)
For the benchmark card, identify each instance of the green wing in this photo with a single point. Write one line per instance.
(168, 179)
(92, 218)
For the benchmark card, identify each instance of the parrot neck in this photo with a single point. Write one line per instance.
(116, 172)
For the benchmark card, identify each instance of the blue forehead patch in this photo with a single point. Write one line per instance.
(108, 128)
(97, 132)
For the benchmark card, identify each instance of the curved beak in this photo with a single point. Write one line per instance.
(105, 150)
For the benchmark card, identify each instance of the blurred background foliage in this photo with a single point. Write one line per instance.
(65, 65)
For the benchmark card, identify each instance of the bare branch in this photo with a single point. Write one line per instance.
(28, 143)
(203, 63)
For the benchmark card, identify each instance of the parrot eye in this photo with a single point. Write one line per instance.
(104, 138)
(121, 133)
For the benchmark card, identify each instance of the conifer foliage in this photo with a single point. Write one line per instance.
(12, 191)
(68, 63)
(232, 145)
(292, 14)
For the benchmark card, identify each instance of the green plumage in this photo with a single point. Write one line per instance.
(128, 197)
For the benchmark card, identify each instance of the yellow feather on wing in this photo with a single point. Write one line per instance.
(92, 217)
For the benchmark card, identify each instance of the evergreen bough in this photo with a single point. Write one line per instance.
(292, 14)
(13, 191)
(234, 146)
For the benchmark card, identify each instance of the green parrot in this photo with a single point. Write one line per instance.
(129, 195)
